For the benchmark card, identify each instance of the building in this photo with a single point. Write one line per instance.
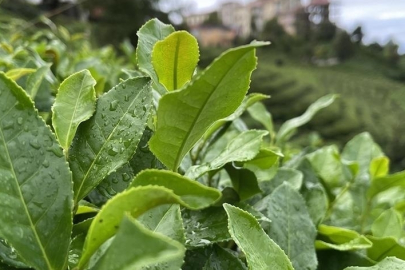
(249, 20)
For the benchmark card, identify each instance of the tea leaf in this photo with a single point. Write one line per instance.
(35, 183)
(110, 137)
(261, 252)
(175, 59)
(74, 104)
(184, 116)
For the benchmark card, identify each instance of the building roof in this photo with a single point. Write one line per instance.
(319, 3)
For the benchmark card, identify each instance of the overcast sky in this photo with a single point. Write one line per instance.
(381, 20)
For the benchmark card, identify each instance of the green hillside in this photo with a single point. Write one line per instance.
(369, 101)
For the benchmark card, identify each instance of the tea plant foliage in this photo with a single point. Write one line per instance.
(143, 162)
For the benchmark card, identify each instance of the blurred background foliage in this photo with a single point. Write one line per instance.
(63, 37)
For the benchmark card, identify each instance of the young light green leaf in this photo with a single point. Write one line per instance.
(259, 113)
(34, 80)
(242, 148)
(150, 33)
(385, 247)
(390, 263)
(389, 224)
(289, 127)
(243, 181)
(248, 101)
(261, 252)
(154, 248)
(379, 167)
(381, 184)
(17, 73)
(362, 149)
(205, 227)
(110, 137)
(175, 59)
(340, 239)
(74, 104)
(291, 227)
(138, 200)
(32, 164)
(184, 116)
(191, 192)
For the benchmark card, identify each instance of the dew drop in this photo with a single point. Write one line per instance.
(126, 97)
(115, 180)
(124, 85)
(35, 144)
(113, 151)
(113, 105)
(56, 150)
(125, 177)
(8, 124)
(45, 163)
(19, 120)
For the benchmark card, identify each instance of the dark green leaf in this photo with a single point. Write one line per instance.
(261, 252)
(109, 139)
(35, 183)
(123, 254)
(243, 181)
(222, 259)
(291, 227)
(205, 227)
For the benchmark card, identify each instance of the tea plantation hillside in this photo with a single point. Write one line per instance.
(369, 101)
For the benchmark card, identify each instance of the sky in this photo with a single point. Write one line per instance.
(381, 20)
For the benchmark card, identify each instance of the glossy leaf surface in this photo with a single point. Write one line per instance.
(123, 254)
(35, 183)
(242, 148)
(291, 227)
(135, 200)
(110, 137)
(261, 252)
(74, 104)
(184, 116)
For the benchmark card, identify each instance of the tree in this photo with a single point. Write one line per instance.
(113, 21)
(325, 31)
(343, 46)
(357, 35)
(390, 53)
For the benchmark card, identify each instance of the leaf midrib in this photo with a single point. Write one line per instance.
(179, 153)
(105, 142)
(73, 114)
(23, 202)
(175, 68)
